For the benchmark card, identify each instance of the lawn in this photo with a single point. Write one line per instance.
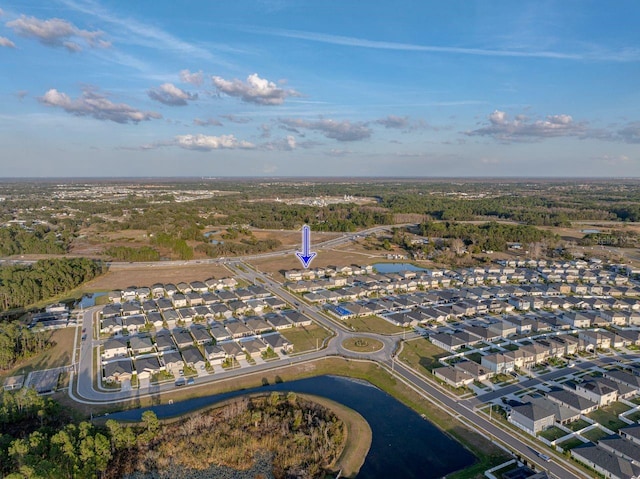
(56, 356)
(553, 433)
(511, 347)
(305, 338)
(422, 355)
(594, 435)
(635, 400)
(607, 418)
(634, 416)
(475, 357)
(577, 425)
(373, 324)
(570, 443)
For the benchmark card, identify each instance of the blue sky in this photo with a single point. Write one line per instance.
(319, 88)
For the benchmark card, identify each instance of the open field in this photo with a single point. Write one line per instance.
(421, 355)
(489, 455)
(372, 324)
(57, 356)
(305, 338)
(138, 275)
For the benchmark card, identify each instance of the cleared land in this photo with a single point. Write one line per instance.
(139, 275)
(372, 324)
(58, 355)
(306, 338)
(421, 355)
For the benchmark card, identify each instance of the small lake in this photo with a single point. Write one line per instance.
(88, 300)
(396, 267)
(403, 445)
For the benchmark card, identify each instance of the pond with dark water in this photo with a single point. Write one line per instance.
(404, 445)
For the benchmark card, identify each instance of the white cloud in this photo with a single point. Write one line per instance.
(521, 128)
(171, 95)
(254, 90)
(96, 105)
(208, 143)
(284, 144)
(337, 130)
(5, 42)
(195, 78)
(56, 32)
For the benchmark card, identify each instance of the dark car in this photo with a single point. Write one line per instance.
(180, 382)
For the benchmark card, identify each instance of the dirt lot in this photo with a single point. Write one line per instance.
(132, 275)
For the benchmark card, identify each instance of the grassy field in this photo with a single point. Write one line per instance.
(362, 345)
(305, 338)
(59, 355)
(421, 355)
(373, 324)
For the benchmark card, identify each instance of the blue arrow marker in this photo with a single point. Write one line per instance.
(306, 255)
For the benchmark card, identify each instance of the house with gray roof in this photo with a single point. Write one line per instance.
(278, 321)
(141, 345)
(193, 357)
(164, 341)
(214, 353)
(277, 342)
(452, 376)
(218, 331)
(237, 328)
(118, 371)
(232, 349)
(200, 334)
(531, 418)
(605, 462)
(621, 447)
(572, 400)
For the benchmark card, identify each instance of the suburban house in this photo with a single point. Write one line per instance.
(257, 325)
(572, 400)
(474, 369)
(164, 341)
(605, 462)
(182, 338)
(194, 358)
(253, 346)
(452, 376)
(219, 332)
(237, 329)
(277, 342)
(141, 345)
(111, 325)
(214, 353)
(279, 322)
(531, 418)
(200, 334)
(232, 350)
(118, 371)
(172, 360)
(597, 392)
(498, 363)
(114, 347)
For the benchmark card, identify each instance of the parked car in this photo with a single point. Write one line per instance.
(190, 381)
(180, 382)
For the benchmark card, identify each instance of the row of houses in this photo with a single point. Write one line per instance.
(328, 272)
(160, 290)
(121, 368)
(201, 334)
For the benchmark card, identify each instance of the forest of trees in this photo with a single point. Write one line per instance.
(38, 439)
(127, 253)
(27, 284)
(17, 342)
(302, 438)
(489, 236)
(38, 240)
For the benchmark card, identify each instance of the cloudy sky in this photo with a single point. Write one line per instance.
(319, 88)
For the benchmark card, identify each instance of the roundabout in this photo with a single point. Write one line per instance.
(362, 344)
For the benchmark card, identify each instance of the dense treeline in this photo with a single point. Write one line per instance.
(177, 245)
(24, 285)
(17, 342)
(302, 437)
(38, 440)
(37, 240)
(127, 253)
(244, 247)
(489, 236)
